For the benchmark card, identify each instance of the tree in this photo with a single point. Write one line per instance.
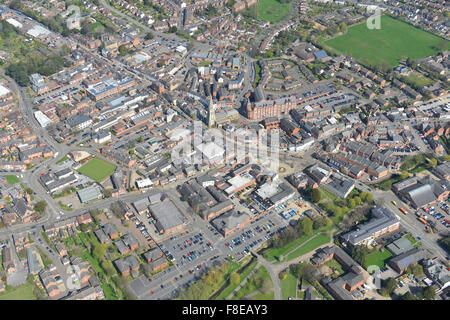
(123, 50)
(149, 36)
(359, 253)
(173, 29)
(307, 226)
(408, 296)
(432, 163)
(321, 222)
(415, 269)
(369, 198)
(235, 278)
(315, 195)
(99, 251)
(107, 193)
(40, 206)
(307, 271)
(108, 267)
(389, 285)
(404, 175)
(351, 203)
(429, 293)
(357, 200)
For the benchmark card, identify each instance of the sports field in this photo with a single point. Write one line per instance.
(394, 41)
(97, 169)
(272, 10)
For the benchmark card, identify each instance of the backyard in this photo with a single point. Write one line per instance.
(378, 258)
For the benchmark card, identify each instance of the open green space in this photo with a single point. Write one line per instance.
(310, 246)
(24, 292)
(271, 10)
(62, 159)
(272, 254)
(231, 287)
(335, 266)
(97, 169)
(11, 179)
(393, 42)
(289, 286)
(259, 285)
(378, 258)
(416, 80)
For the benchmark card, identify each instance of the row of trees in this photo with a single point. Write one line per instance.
(305, 227)
(208, 283)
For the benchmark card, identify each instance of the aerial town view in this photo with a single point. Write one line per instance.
(228, 150)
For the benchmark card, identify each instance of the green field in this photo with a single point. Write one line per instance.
(289, 286)
(394, 41)
(24, 292)
(11, 179)
(378, 258)
(252, 286)
(274, 254)
(228, 290)
(62, 159)
(97, 169)
(272, 10)
(309, 246)
(415, 80)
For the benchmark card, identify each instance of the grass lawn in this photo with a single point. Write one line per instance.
(228, 290)
(326, 194)
(97, 169)
(62, 159)
(411, 238)
(419, 81)
(288, 286)
(309, 246)
(333, 264)
(250, 286)
(395, 40)
(12, 179)
(272, 10)
(273, 254)
(378, 258)
(257, 73)
(24, 292)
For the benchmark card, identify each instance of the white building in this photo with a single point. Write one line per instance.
(42, 119)
(144, 183)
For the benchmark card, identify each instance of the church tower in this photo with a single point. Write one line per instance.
(211, 113)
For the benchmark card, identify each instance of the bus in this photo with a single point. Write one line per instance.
(404, 211)
(423, 221)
